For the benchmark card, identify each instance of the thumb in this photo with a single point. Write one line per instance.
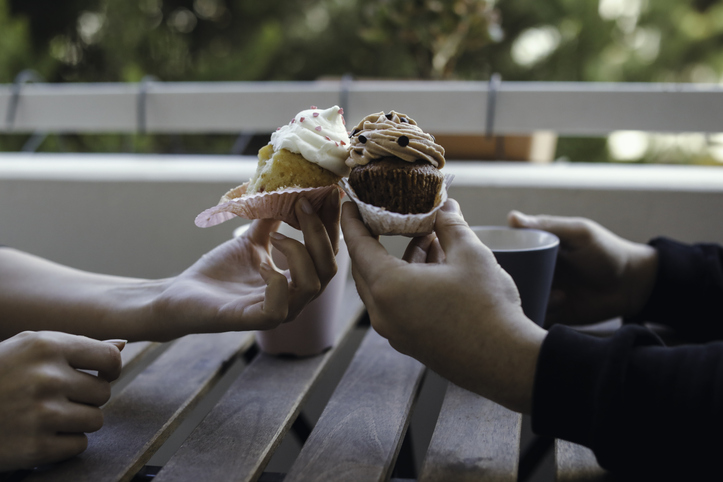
(571, 231)
(452, 230)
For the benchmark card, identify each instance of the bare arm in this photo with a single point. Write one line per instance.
(234, 287)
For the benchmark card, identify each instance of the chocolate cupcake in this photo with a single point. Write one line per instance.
(395, 165)
(395, 179)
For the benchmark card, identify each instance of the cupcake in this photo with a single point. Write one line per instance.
(305, 158)
(395, 174)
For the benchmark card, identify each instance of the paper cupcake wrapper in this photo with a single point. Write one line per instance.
(383, 222)
(268, 205)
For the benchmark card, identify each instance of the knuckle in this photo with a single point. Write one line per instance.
(47, 415)
(46, 380)
(44, 344)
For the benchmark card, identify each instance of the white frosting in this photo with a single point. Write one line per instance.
(320, 136)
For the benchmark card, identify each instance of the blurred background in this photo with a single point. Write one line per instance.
(251, 40)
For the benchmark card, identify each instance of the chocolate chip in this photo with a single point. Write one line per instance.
(362, 139)
(354, 132)
(433, 139)
(403, 120)
(389, 116)
(403, 141)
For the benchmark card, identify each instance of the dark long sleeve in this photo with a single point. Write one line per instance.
(644, 409)
(688, 291)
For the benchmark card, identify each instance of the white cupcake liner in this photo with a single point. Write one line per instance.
(268, 205)
(380, 222)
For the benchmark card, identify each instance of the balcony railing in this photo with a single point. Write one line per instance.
(441, 107)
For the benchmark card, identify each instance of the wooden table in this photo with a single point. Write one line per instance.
(358, 436)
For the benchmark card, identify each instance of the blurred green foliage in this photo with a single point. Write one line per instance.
(215, 40)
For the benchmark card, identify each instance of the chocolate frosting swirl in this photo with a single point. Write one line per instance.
(392, 135)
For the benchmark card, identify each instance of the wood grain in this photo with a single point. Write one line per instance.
(575, 463)
(134, 352)
(475, 440)
(145, 413)
(237, 438)
(358, 436)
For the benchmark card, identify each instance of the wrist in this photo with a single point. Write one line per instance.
(131, 313)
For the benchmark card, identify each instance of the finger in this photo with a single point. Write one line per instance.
(418, 249)
(453, 232)
(317, 242)
(305, 283)
(330, 214)
(260, 229)
(89, 389)
(367, 254)
(88, 354)
(571, 231)
(276, 298)
(78, 418)
(435, 253)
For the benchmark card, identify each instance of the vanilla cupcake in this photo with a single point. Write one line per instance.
(395, 174)
(305, 158)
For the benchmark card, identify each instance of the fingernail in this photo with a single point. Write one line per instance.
(451, 206)
(306, 206)
(277, 236)
(117, 342)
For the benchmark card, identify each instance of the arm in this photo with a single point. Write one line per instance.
(646, 411)
(234, 287)
(450, 305)
(688, 290)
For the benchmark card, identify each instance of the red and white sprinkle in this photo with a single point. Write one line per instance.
(341, 111)
(293, 120)
(343, 143)
(343, 121)
(327, 138)
(278, 128)
(316, 114)
(314, 107)
(336, 144)
(317, 128)
(302, 119)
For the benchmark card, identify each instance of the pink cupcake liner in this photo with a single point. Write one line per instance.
(382, 222)
(268, 205)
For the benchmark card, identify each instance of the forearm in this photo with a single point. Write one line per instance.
(36, 294)
(643, 409)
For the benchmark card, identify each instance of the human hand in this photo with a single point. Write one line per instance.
(235, 286)
(46, 404)
(448, 304)
(598, 275)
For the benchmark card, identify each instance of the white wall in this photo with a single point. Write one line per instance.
(134, 216)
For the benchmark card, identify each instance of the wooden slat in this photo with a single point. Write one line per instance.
(360, 432)
(237, 438)
(575, 463)
(134, 352)
(145, 413)
(475, 440)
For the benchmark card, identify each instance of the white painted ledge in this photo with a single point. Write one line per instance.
(206, 168)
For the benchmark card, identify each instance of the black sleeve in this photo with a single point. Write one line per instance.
(647, 411)
(688, 291)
